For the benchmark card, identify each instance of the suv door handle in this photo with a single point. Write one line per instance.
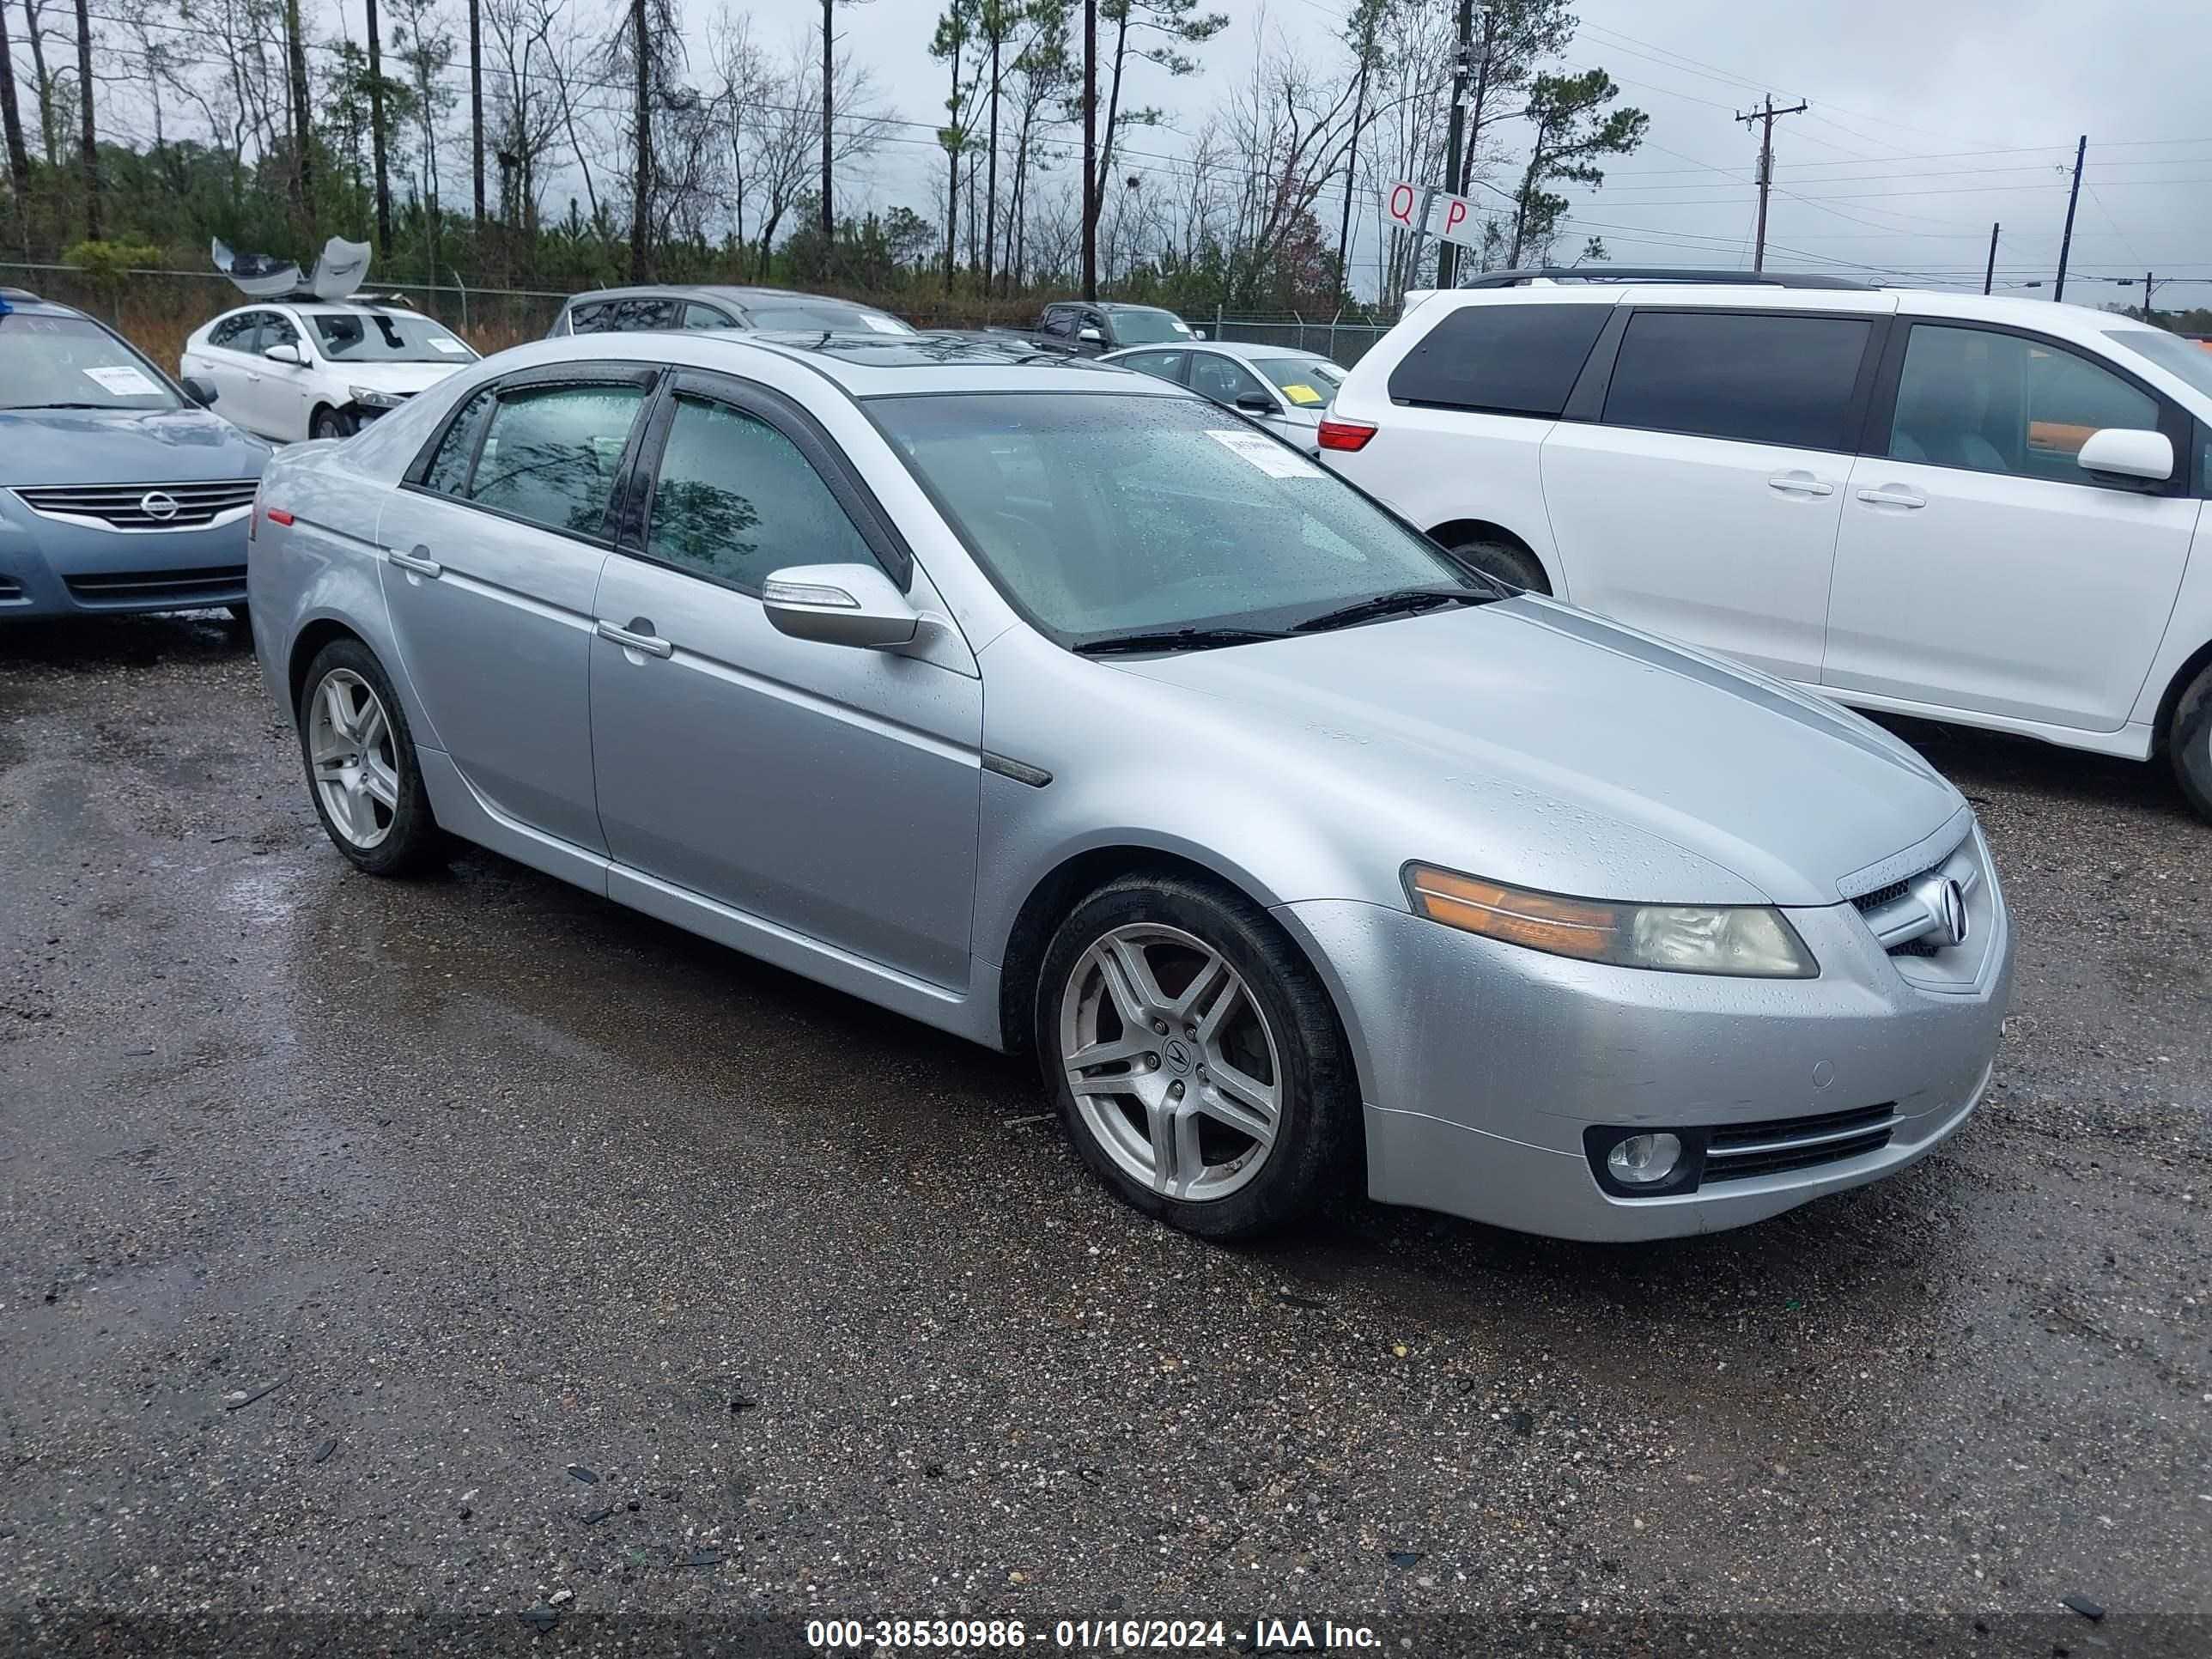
(416, 561)
(1897, 496)
(1800, 484)
(652, 644)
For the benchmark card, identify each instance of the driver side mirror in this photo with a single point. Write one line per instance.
(1257, 403)
(2124, 453)
(285, 354)
(199, 390)
(839, 605)
(1091, 336)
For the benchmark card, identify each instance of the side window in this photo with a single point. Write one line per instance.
(1222, 380)
(235, 333)
(1501, 359)
(550, 453)
(448, 472)
(593, 317)
(277, 329)
(698, 316)
(1059, 323)
(634, 315)
(1759, 377)
(736, 500)
(2001, 402)
(1161, 365)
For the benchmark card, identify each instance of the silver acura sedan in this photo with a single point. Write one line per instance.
(1044, 703)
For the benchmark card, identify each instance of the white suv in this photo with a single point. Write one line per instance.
(1972, 509)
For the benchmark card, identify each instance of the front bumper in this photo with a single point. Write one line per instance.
(49, 568)
(1483, 1064)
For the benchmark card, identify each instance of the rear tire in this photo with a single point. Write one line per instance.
(1507, 562)
(331, 423)
(1221, 1097)
(360, 759)
(2189, 742)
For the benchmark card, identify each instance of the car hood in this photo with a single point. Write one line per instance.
(396, 378)
(91, 446)
(1541, 745)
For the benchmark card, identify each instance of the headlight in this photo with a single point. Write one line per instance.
(369, 398)
(1751, 940)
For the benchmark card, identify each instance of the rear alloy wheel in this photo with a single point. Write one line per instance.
(360, 763)
(1196, 1058)
(1504, 560)
(333, 423)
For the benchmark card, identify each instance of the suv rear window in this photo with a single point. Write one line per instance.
(1509, 359)
(1768, 378)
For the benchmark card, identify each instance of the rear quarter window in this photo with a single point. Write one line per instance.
(1501, 359)
(1757, 377)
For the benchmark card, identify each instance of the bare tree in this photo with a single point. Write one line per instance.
(11, 120)
(303, 181)
(376, 133)
(1292, 129)
(90, 150)
(527, 121)
(475, 106)
(640, 218)
(42, 79)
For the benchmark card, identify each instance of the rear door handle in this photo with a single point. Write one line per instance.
(645, 640)
(1800, 484)
(1893, 497)
(416, 562)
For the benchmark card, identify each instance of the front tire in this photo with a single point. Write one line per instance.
(2189, 742)
(360, 759)
(1195, 1057)
(1506, 561)
(331, 423)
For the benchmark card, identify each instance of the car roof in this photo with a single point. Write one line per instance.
(736, 293)
(24, 303)
(879, 365)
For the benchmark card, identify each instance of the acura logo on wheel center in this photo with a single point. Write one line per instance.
(158, 504)
(1176, 1054)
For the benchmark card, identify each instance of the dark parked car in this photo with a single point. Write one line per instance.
(630, 310)
(1090, 330)
(118, 491)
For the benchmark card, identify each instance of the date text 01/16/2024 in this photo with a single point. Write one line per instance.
(1089, 1635)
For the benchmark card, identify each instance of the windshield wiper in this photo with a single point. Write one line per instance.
(19, 408)
(1180, 639)
(1403, 602)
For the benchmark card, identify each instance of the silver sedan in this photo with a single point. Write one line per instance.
(1053, 707)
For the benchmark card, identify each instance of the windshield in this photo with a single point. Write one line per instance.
(824, 314)
(67, 363)
(1145, 325)
(1100, 515)
(1309, 382)
(2186, 358)
(384, 337)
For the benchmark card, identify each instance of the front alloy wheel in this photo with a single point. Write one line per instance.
(1171, 1062)
(1199, 1063)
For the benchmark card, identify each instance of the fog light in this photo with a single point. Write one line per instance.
(1643, 1160)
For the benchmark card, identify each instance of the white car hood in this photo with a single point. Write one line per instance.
(398, 379)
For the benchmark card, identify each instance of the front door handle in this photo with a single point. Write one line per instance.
(418, 562)
(638, 636)
(1895, 496)
(1800, 484)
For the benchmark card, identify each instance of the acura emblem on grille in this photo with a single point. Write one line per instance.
(158, 504)
(1946, 901)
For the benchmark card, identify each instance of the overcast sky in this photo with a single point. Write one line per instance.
(1928, 122)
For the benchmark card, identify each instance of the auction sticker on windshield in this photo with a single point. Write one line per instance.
(1270, 457)
(124, 381)
(446, 342)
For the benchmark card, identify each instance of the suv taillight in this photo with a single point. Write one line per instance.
(1344, 435)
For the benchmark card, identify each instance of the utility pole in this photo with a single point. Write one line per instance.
(2147, 291)
(2066, 242)
(1765, 117)
(1447, 261)
(1091, 149)
(829, 103)
(1990, 272)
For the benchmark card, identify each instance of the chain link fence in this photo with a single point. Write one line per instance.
(158, 308)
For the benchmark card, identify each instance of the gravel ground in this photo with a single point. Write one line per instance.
(377, 1254)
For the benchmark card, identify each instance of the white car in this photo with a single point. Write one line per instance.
(307, 369)
(1979, 510)
(1287, 390)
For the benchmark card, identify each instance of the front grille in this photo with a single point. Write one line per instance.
(143, 506)
(1905, 917)
(10, 590)
(214, 585)
(1738, 1152)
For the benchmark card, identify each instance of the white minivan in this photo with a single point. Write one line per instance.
(1971, 509)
